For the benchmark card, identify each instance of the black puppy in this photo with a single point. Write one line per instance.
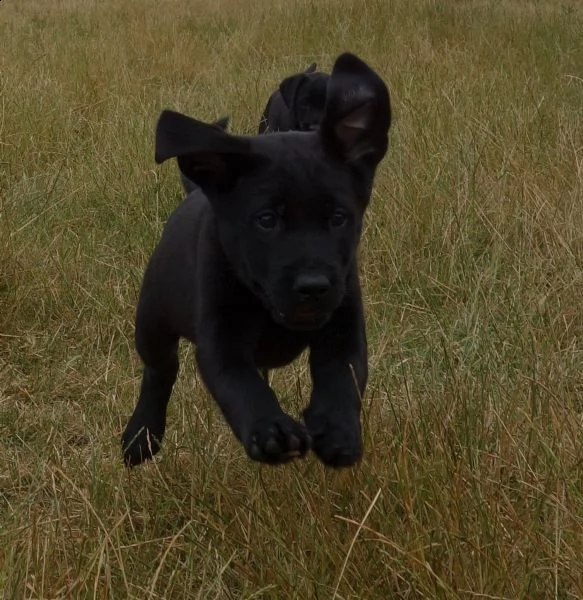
(259, 263)
(298, 104)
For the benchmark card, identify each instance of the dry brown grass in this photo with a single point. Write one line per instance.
(472, 259)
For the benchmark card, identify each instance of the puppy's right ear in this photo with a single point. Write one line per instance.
(311, 68)
(206, 154)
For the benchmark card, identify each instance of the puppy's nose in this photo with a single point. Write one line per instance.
(311, 285)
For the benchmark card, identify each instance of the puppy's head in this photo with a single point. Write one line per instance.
(289, 206)
(305, 96)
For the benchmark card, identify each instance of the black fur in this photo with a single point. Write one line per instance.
(258, 263)
(298, 103)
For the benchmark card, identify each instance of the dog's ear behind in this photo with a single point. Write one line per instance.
(357, 116)
(289, 87)
(206, 154)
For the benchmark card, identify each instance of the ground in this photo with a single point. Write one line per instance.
(471, 484)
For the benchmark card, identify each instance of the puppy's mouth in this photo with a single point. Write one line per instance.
(301, 321)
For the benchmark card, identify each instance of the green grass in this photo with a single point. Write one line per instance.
(472, 481)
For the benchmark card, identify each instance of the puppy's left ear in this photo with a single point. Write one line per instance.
(357, 116)
(289, 87)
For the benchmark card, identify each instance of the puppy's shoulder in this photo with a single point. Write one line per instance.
(189, 216)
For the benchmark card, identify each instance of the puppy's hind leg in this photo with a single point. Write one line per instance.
(145, 430)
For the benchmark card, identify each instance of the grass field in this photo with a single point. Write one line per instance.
(472, 482)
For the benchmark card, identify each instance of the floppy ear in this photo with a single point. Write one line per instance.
(187, 185)
(357, 116)
(289, 89)
(311, 68)
(206, 154)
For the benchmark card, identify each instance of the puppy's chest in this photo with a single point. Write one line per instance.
(278, 347)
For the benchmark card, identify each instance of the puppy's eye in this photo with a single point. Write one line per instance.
(267, 219)
(338, 218)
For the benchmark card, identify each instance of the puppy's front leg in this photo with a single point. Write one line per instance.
(338, 364)
(248, 403)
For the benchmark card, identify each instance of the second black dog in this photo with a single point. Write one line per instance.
(298, 103)
(260, 262)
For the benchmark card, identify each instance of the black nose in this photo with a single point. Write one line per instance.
(311, 285)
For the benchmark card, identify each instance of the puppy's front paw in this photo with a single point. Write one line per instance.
(336, 439)
(141, 439)
(277, 440)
